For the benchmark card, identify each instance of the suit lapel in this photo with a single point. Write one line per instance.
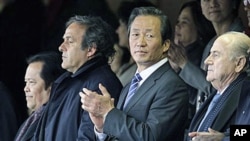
(123, 97)
(142, 90)
(224, 115)
(200, 113)
(147, 84)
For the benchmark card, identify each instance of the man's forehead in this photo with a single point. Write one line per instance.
(145, 21)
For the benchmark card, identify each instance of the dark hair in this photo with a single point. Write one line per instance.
(51, 68)
(166, 31)
(126, 7)
(236, 6)
(204, 26)
(98, 33)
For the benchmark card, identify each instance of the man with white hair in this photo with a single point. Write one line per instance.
(236, 46)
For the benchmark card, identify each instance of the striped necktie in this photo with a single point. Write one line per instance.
(133, 87)
(203, 125)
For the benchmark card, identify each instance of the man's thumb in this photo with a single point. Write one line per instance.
(103, 90)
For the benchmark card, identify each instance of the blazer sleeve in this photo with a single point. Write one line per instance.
(196, 77)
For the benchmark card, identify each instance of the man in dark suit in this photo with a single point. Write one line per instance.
(87, 47)
(243, 113)
(43, 69)
(158, 109)
(226, 70)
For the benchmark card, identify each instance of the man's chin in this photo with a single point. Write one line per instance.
(209, 79)
(64, 66)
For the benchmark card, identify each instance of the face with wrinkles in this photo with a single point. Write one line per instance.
(73, 57)
(222, 66)
(146, 45)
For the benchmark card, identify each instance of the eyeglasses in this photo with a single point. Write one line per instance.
(246, 2)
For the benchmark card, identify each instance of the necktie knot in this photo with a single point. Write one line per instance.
(137, 78)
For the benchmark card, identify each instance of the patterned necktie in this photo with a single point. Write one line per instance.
(32, 118)
(133, 87)
(203, 125)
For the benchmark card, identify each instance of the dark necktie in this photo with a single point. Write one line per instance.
(203, 125)
(133, 87)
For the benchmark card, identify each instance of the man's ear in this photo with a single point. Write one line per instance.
(92, 50)
(241, 63)
(166, 45)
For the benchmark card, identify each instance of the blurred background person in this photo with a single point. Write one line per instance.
(121, 57)
(8, 115)
(43, 69)
(246, 4)
(192, 32)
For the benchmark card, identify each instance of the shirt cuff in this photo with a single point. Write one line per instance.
(100, 136)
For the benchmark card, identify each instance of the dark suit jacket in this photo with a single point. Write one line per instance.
(158, 111)
(63, 118)
(243, 113)
(227, 113)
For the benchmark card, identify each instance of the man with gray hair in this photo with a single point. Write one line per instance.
(226, 70)
(87, 47)
(158, 108)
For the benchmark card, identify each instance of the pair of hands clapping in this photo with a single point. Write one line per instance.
(98, 105)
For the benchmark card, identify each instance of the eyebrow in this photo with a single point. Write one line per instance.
(147, 30)
(214, 51)
(186, 18)
(67, 37)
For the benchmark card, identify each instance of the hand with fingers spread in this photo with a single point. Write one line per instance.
(98, 105)
(211, 135)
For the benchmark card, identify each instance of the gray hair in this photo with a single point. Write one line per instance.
(98, 33)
